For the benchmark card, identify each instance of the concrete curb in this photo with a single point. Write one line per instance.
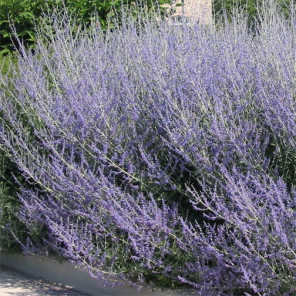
(68, 274)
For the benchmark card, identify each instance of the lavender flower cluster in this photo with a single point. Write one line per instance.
(161, 151)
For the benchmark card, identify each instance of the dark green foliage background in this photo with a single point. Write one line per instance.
(251, 7)
(26, 14)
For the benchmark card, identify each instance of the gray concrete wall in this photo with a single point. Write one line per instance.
(68, 274)
(196, 10)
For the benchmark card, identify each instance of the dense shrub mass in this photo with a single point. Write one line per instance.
(160, 152)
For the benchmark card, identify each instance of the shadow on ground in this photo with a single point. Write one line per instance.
(15, 284)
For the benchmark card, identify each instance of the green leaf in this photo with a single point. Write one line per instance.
(4, 51)
(26, 14)
(32, 36)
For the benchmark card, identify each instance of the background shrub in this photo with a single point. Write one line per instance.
(252, 8)
(26, 14)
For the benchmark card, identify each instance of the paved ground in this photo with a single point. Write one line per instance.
(15, 284)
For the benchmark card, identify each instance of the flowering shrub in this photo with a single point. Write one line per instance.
(160, 152)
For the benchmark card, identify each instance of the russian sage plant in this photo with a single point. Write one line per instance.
(160, 152)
